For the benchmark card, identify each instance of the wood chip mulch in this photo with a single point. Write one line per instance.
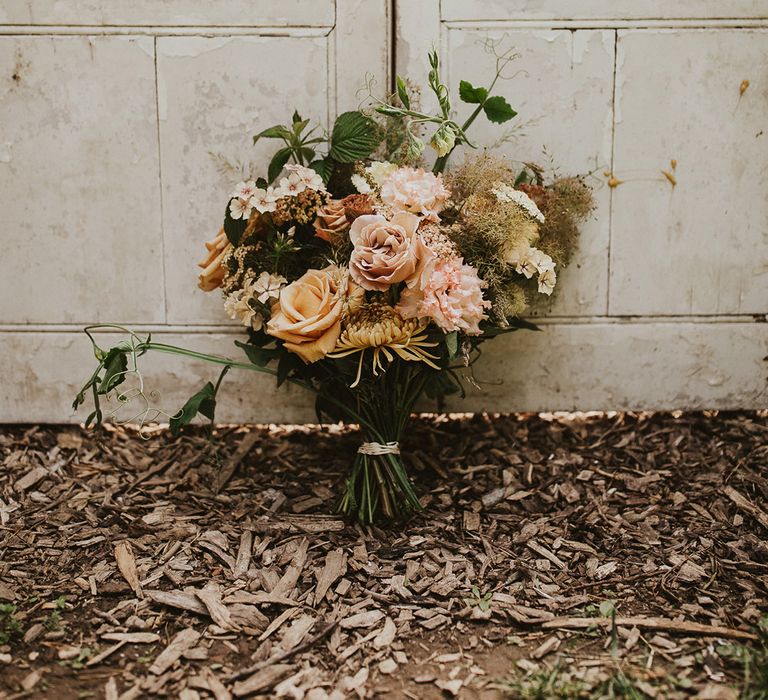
(599, 548)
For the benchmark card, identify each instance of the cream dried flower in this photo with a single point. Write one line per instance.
(547, 281)
(268, 286)
(238, 306)
(505, 193)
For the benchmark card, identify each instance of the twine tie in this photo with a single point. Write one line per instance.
(378, 448)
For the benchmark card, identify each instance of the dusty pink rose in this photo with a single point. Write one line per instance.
(386, 251)
(415, 191)
(307, 316)
(450, 294)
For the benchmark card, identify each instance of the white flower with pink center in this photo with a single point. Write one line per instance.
(309, 177)
(240, 208)
(264, 200)
(245, 190)
(291, 186)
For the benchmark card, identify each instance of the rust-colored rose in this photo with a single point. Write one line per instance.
(357, 205)
(386, 251)
(307, 316)
(213, 271)
(331, 221)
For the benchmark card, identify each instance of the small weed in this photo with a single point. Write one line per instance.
(9, 623)
(557, 684)
(53, 622)
(752, 662)
(481, 601)
(80, 660)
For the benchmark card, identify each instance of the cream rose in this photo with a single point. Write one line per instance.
(307, 316)
(415, 191)
(386, 251)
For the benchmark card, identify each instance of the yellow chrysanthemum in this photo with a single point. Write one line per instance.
(378, 327)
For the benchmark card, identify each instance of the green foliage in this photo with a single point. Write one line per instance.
(483, 602)
(556, 683)
(402, 93)
(53, 622)
(354, 137)
(10, 626)
(472, 95)
(202, 402)
(259, 356)
(299, 144)
(498, 110)
(752, 663)
(452, 344)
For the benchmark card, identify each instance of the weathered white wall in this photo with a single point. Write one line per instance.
(109, 112)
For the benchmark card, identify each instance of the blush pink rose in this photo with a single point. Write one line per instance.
(415, 191)
(386, 251)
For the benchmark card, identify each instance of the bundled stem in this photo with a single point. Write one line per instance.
(378, 485)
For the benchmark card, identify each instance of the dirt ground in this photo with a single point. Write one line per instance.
(558, 556)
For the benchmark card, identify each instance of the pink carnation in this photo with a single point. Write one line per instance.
(450, 294)
(415, 191)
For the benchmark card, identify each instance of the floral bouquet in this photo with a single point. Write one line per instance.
(371, 281)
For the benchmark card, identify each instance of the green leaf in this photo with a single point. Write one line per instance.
(260, 357)
(498, 110)
(354, 137)
(299, 126)
(323, 167)
(278, 161)
(307, 153)
(607, 608)
(452, 343)
(523, 178)
(114, 370)
(234, 228)
(274, 132)
(472, 95)
(288, 362)
(402, 93)
(296, 116)
(203, 402)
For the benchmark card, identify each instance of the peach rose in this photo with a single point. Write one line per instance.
(386, 251)
(416, 191)
(307, 316)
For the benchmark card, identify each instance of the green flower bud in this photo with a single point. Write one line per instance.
(444, 139)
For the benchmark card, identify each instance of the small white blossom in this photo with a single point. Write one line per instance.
(291, 186)
(264, 200)
(240, 208)
(245, 190)
(541, 261)
(532, 262)
(268, 286)
(291, 232)
(505, 193)
(361, 184)
(309, 177)
(380, 170)
(547, 280)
